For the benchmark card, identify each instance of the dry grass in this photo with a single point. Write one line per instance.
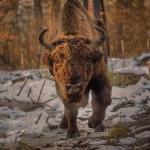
(119, 130)
(120, 79)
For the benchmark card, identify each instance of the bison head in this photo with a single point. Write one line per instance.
(71, 61)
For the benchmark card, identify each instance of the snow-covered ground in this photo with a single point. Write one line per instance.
(29, 105)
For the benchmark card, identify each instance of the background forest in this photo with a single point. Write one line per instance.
(127, 21)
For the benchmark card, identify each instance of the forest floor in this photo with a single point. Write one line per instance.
(53, 138)
(30, 114)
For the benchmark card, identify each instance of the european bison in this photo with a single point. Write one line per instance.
(77, 58)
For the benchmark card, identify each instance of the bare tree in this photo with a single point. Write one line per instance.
(38, 20)
(97, 9)
(91, 8)
(102, 11)
(85, 4)
(38, 15)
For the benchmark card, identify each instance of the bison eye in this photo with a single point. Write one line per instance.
(88, 62)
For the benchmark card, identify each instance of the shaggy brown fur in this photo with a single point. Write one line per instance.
(75, 62)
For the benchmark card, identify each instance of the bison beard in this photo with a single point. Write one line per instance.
(77, 58)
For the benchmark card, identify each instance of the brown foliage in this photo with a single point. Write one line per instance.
(128, 27)
(128, 24)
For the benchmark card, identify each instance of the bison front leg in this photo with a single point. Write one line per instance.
(64, 123)
(101, 98)
(71, 113)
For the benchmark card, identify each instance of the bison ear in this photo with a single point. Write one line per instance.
(47, 60)
(97, 55)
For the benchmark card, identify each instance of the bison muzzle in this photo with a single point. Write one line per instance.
(77, 58)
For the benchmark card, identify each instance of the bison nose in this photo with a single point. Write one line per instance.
(73, 89)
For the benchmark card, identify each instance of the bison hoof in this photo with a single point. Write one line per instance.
(72, 134)
(93, 122)
(100, 128)
(63, 126)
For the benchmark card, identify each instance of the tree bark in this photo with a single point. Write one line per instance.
(85, 4)
(102, 11)
(38, 23)
(38, 15)
(91, 8)
(97, 9)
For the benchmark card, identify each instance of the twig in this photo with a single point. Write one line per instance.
(39, 103)
(3, 91)
(29, 92)
(32, 100)
(16, 141)
(38, 119)
(50, 100)
(7, 99)
(61, 113)
(47, 119)
(16, 100)
(21, 79)
(2, 144)
(22, 86)
(50, 107)
(41, 89)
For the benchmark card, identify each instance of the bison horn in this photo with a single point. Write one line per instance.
(101, 40)
(43, 43)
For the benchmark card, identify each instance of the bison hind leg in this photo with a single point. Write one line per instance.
(94, 122)
(64, 123)
(100, 128)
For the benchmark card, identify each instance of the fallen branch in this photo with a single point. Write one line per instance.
(141, 129)
(22, 86)
(21, 79)
(119, 105)
(7, 99)
(47, 119)
(3, 91)
(38, 119)
(36, 103)
(41, 89)
(16, 100)
(50, 107)
(29, 92)
(32, 100)
(50, 100)
(146, 146)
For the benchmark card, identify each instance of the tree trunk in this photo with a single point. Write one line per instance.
(97, 9)
(102, 11)
(85, 4)
(38, 15)
(38, 23)
(91, 8)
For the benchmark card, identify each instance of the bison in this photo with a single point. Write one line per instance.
(77, 58)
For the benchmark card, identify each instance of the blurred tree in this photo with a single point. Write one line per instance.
(54, 9)
(6, 6)
(38, 15)
(91, 8)
(96, 9)
(85, 4)
(7, 36)
(102, 11)
(128, 27)
(128, 24)
(38, 24)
